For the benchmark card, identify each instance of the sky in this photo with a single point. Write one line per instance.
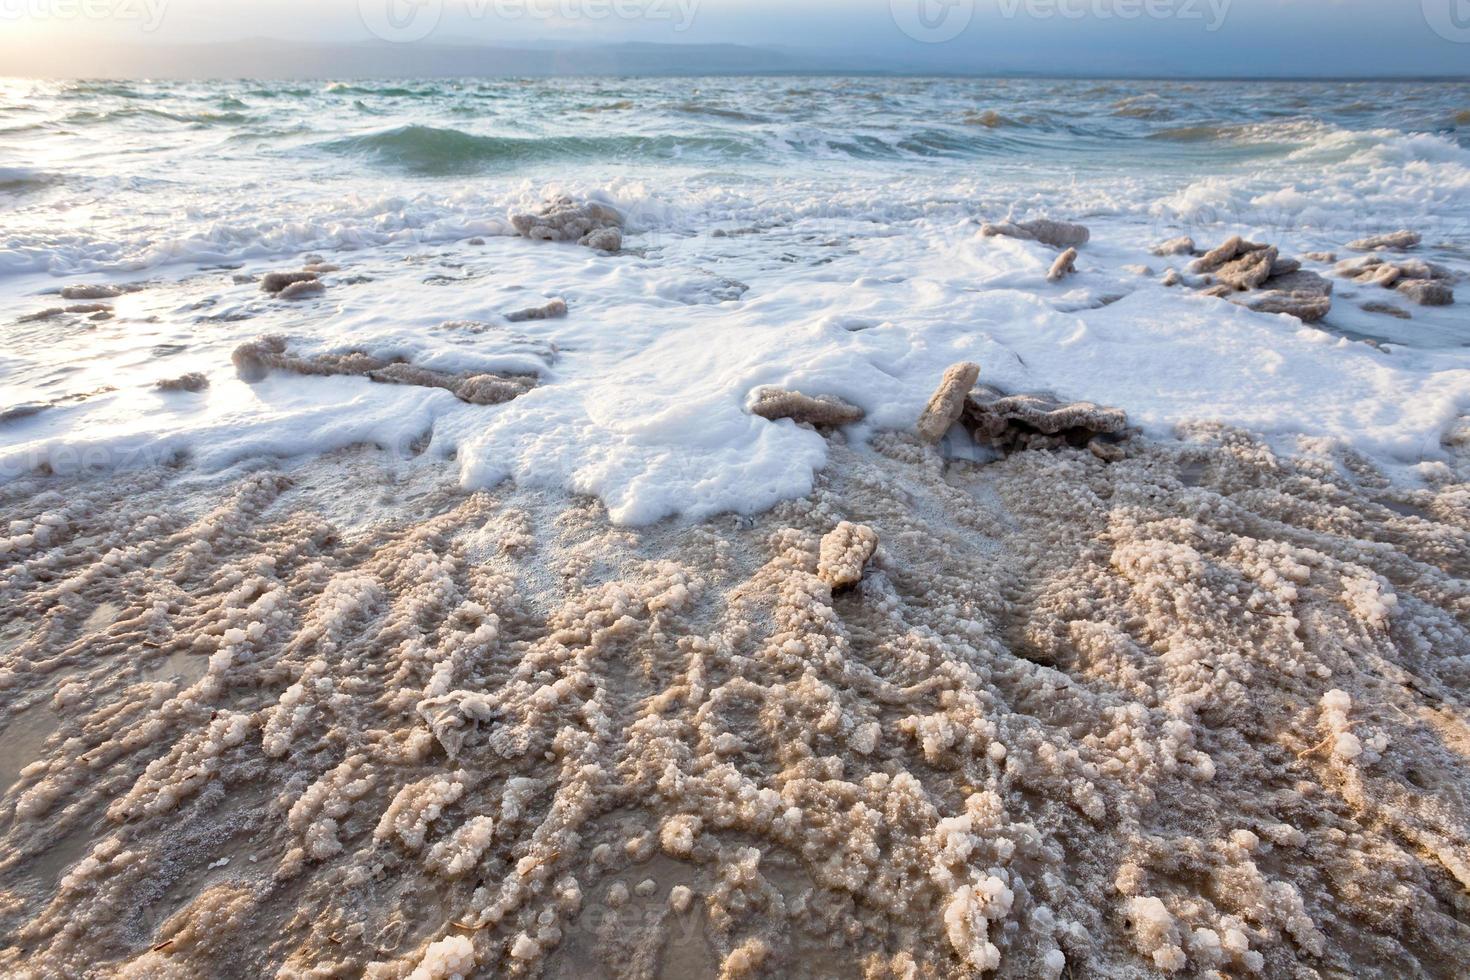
(1128, 37)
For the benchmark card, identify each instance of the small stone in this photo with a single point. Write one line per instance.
(948, 401)
(1065, 265)
(821, 411)
(1184, 245)
(552, 310)
(845, 552)
(1427, 292)
(276, 282)
(193, 381)
(1396, 241)
(1387, 309)
(302, 289)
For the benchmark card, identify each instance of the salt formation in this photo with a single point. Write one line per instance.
(948, 401)
(820, 411)
(1396, 241)
(1065, 265)
(276, 283)
(562, 219)
(844, 553)
(551, 310)
(254, 358)
(1423, 282)
(1033, 421)
(1184, 245)
(99, 290)
(1193, 713)
(1057, 234)
(193, 381)
(1258, 277)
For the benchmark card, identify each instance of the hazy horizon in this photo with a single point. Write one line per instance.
(1117, 38)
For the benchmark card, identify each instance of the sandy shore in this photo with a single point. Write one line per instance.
(1198, 711)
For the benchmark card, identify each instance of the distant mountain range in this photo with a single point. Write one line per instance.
(262, 58)
(272, 59)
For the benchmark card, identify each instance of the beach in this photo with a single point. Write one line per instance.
(644, 529)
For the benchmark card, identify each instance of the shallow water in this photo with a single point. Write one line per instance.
(814, 232)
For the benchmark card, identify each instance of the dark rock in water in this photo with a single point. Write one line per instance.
(562, 219)
(820, 411)
(554, 309)
(948, 401)
(475, 241)
(1011, 423)
(275, 282)
(1057, 234)
(1427, 292)
(1395, 241)
(1387, 309)
(193, 381)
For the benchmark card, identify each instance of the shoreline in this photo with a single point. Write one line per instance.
(1197, 709)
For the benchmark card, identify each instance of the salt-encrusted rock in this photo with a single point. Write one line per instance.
(553, 309)
(1183, 245)
(1427, 292)
(1232, 248)
(1249, 270)
(1395, 241)
(1307, 307)
(821, 411)
(1065, 265)
(93, 291)
(302, 289)
(1038, 421)
(253, 359)
(948, 401)
(845, 552)
(1172, 278)
(603, 239)
(1326, 258)
(193, 381)
(1057, 234)
(492, 389)
(1284, 266)
(1374, 270)
(276, 282)
(562, 219)
(1304, 295)
(1387, 309)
